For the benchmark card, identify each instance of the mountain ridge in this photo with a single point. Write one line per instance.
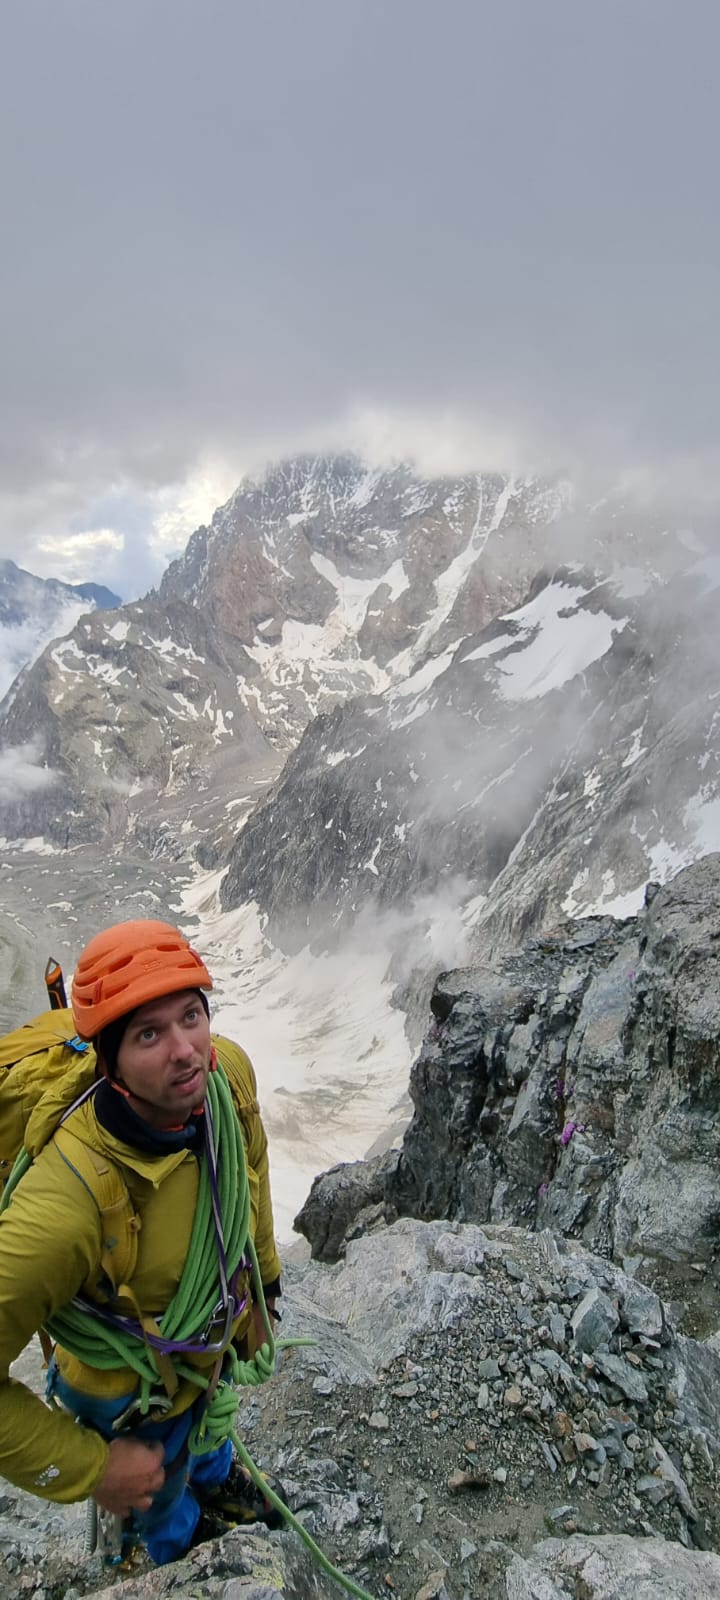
(462, 700)
(260, 587)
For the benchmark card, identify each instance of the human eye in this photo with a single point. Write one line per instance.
(192, 1013)
(147, 1034)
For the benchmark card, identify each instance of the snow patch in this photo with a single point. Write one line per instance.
(702, 817)
(332, 1070)
(369, 865)
(637, 749)
(364, 489)
(424, 676)
(501, 504)
(630, 582)
(553, 639)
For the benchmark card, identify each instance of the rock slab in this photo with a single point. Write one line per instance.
(614, 1567)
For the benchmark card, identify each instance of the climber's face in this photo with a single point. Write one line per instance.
(163, 1061)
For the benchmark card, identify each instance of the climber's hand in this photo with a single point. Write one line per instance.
(132, 1477)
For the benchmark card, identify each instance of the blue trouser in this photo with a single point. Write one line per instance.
(166, 1529)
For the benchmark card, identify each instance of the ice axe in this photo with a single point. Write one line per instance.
(55, 985)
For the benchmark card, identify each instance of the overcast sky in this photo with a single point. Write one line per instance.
(482, 234)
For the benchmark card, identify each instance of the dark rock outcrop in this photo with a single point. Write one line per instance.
(575, 1086)
(343, 1201)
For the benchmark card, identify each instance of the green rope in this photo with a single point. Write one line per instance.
(297, 1527)
(101, 1346)
(218, 1424)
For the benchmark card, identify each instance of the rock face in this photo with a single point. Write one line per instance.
(446, 1362)
(238, 1567)
(345, 1200)
(282, 549)
(645, 802)
(438, 778)
(574, 1086)
(507, 774)
(136, 713)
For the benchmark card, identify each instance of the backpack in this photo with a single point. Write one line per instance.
(43, 1054)
(44, 1070)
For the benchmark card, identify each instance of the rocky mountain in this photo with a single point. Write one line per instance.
(552, 761)
(35, 610)
(489, 1411)
(315, 585)
(132, 717)
(361, 688)
(386, 725)
(357, 694)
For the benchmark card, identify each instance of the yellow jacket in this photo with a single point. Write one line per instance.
(50, 1249)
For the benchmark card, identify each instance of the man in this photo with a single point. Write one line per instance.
(139, 996)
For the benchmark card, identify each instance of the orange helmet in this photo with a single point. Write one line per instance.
(127, 965)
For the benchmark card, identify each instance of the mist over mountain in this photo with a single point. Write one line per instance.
(367, 689)
(307, 589)
(35, 610)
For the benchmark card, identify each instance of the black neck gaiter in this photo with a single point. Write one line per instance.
(117, 1117)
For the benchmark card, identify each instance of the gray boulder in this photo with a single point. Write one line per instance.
(340, 1196)
(613, 1567)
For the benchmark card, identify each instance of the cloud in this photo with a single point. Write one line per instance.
(21, 774)
(120, 536)
(443, 442)
(72, 548)
(183, 507)
(483, 233)
(22, 643)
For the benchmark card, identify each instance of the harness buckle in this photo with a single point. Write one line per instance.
(157, 1402)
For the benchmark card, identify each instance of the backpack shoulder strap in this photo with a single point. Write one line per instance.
(240, 1073)
(104, 1180)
